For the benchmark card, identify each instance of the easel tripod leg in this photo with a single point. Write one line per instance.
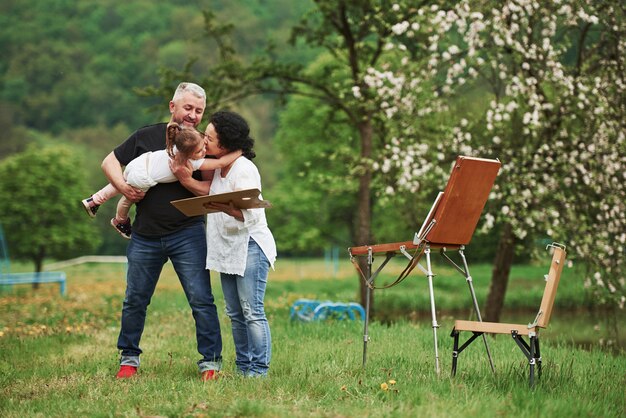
(366, 326)
(432, 306)
(369, 284)
(470, 284)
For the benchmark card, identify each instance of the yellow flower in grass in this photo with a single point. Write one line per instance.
(384, 386)
(392, 382)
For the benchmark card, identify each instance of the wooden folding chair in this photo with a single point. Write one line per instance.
(531, 348)
(449, 225)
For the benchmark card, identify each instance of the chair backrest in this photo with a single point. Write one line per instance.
(4, 254)
(552, 283)
(463, 200)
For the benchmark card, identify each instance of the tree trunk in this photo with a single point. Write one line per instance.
(364, 206)
(500, 275)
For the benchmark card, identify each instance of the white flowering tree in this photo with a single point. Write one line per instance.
(546, 82)
(555, 75)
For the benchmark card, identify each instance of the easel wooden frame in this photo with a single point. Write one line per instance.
(449, 225)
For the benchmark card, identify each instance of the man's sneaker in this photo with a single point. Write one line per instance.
(90, 207)
(126, 372)
(123, 228)
(209, 375)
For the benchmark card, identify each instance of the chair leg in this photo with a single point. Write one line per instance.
(529, 351)
(538, 356)
(531, 361)
(455, 350)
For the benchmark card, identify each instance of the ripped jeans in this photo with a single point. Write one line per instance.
(244, 306)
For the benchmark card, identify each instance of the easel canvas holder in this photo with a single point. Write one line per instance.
(449, 225)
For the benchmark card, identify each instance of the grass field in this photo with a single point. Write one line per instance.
(58, 356)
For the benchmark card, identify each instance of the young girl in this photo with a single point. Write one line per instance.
(182, 144)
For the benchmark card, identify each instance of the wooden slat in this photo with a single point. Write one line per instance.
(492, 327)
(552, 284)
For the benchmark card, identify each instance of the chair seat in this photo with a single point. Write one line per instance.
(493, 327)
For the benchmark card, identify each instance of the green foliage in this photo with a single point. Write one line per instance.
(314, 200)
(38, 190)
(70, 65)
(73, 71)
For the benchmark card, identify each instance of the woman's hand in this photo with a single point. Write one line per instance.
(229, 209)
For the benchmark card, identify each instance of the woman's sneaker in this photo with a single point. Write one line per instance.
(90, 207)
(123, 228)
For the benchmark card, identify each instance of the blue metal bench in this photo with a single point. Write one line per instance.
(307, 310)
(8, 279)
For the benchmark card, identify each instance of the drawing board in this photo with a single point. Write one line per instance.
(242, 199)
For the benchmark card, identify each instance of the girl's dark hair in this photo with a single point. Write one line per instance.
(185, 139)
(232, 132)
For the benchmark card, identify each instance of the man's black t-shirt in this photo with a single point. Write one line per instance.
(156, 216)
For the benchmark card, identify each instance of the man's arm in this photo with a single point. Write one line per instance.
(113, 170)
(183, 174)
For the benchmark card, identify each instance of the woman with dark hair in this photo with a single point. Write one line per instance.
(240, 245)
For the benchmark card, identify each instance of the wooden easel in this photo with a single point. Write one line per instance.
(449, 225)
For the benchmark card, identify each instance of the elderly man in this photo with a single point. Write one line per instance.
(160, 232)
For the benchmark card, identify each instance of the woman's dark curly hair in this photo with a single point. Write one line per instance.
(232, 132)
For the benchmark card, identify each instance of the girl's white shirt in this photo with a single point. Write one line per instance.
(159, 166)
(227, 237)
(152, 168)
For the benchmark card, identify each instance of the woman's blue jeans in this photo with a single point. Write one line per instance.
(244, 306)
(146, 256)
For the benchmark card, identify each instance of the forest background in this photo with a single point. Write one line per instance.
(83, 76)
(70, 73)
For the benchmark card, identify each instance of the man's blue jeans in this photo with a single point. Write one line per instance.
(146, 256)
(244, 305)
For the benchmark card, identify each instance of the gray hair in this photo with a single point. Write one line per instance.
(192, 88)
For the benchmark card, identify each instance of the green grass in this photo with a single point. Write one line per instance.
(58, 356)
